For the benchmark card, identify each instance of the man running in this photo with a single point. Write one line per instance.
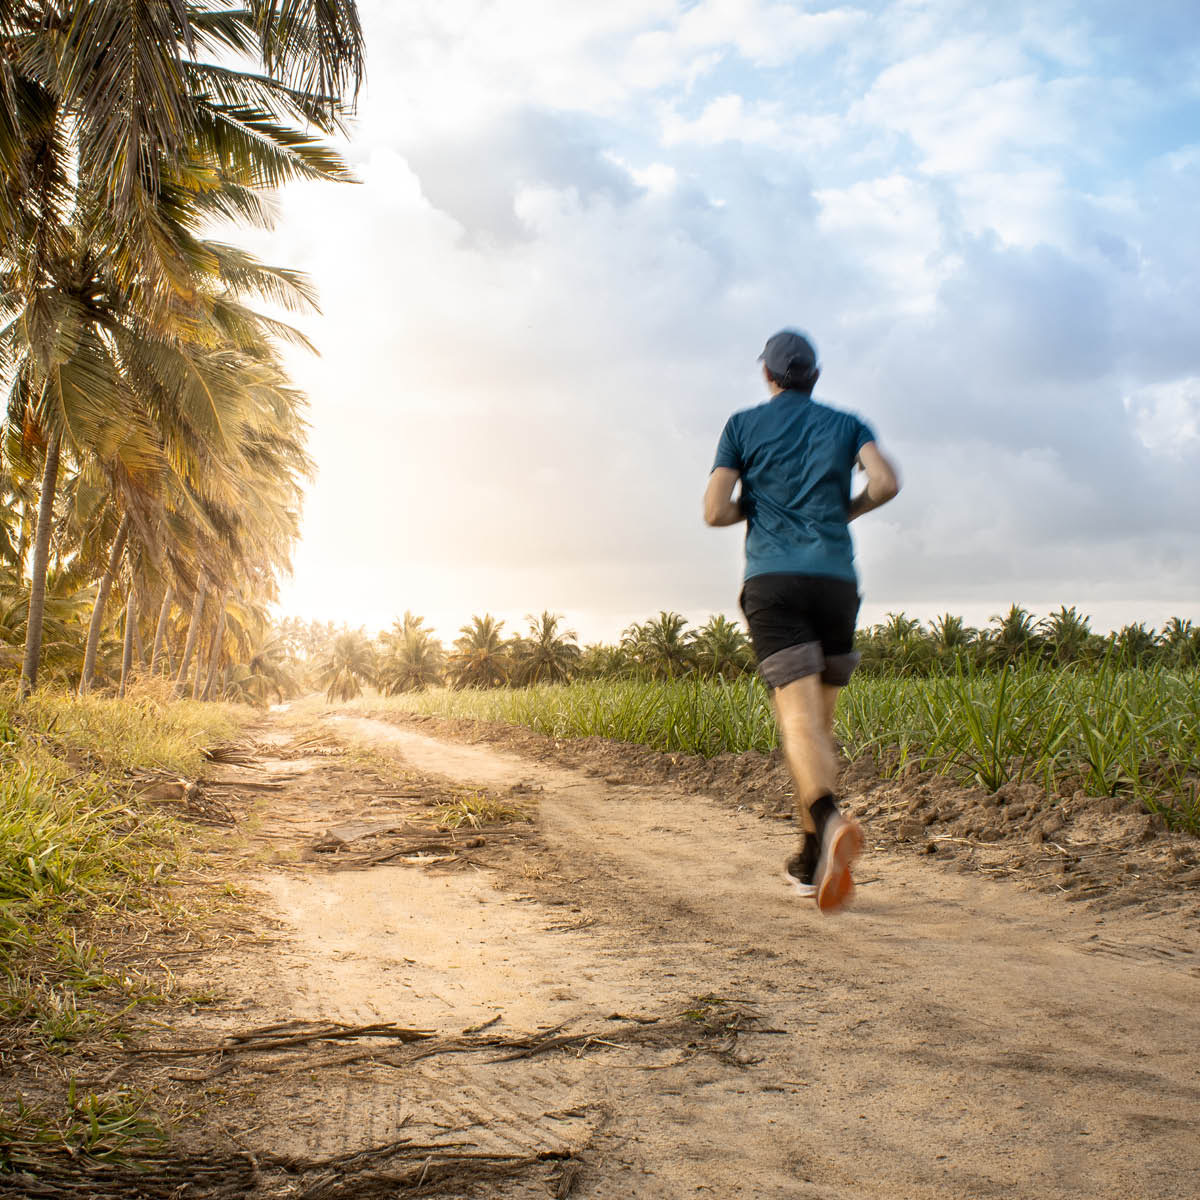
(794, 457)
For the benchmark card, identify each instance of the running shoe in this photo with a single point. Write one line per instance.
(799, 876)
(841, 844)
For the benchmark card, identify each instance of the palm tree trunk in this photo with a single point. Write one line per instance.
(23, 540)
(130, 629)
(214, 659)
(200, 657)
(192, 634)
(139, 649)
(160, 631)
(37, 583)
(93, 638)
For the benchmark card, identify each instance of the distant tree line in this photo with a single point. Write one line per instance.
(902, 645)
(409, 657)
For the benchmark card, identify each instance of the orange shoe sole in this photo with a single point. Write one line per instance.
(837, 887)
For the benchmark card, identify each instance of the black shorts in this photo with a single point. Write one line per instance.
(802, 625)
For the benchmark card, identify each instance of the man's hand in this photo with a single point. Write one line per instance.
(882, 482)
(720, 508)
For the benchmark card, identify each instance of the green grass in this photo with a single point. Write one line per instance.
(77, 853)
(71, 836)
(476, 810)
(109, 1127)
(1108, 731)
(112, 736)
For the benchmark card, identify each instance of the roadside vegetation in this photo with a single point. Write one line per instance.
(81, 857)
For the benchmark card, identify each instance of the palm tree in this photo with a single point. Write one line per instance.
(102, 593)
(127, 642)
(412, 657)
(1015, 636)
(901, 645)
(160, 628)
(349, 664)
(480, 658)
(1066, 633)
(1134, 645)
(661, 646)
(199, 597)
(546, 655)
(113, 97)
(1181, 641)
(951, 634)
(722, 647)
(899, 628)
(263, 677)
(600, 661)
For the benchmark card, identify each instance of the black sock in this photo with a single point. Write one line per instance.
(821, 810)
(810, 851)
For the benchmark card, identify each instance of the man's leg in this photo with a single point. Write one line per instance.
(795, 621)
(829, 695)
(803, 710)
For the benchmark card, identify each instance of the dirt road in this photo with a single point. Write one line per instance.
(949, 1037)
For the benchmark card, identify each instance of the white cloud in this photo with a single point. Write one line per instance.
(896, 227)
(658, 178)
(577, 224)
(725, 119)
(968, 104)
(1167, 417)
(767, 35)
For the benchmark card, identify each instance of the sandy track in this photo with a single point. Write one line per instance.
(950, 1037)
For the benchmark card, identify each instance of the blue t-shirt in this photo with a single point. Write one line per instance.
(795, 457)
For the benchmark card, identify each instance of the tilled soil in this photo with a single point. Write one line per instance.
(621, 998)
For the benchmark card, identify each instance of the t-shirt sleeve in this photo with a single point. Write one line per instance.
(863, 434)
(729, 451)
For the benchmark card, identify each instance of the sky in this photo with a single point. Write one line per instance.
(576, 224)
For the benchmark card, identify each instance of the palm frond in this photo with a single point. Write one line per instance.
(254, 148)
(316, 45)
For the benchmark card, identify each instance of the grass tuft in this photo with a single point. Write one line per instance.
(111, 1127)
(477, 810)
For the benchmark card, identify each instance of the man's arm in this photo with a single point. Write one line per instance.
(882, 483)
(720, 508)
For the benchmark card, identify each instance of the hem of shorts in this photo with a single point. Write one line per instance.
(791, 663)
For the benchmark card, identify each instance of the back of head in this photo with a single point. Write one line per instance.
(791, 360)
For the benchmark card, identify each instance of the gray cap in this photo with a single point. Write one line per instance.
(789, 356)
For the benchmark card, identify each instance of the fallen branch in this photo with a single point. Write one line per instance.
(710, 1028)
(288, 1034)
(419, 1168)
